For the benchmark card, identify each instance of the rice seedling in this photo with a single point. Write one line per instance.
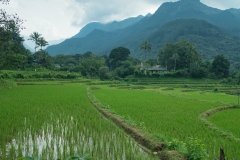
(55, 121)
(228, 121)
(172, 115)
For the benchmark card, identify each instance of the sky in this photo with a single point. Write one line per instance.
(61, 19)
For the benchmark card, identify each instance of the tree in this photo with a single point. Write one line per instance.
(238, 77)
(90, 67)
(146, 47)
(103, 72)
(35, 36)
(175, 57)
(5, 1)
(118, 55)
(13, 55)
(187, 54)
(220, 66)
(42, 57)
(89, 55)
(42, 42)
(6, 18)
(125, 68)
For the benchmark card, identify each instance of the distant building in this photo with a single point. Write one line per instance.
(157, 69)
(154, 69)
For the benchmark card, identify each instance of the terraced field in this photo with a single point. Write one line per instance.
(54, 119)
(169, 112)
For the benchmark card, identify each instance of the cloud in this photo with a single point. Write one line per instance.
(109, 10)
(222, 4)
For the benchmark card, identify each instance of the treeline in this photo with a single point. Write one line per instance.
(181, 59)
(117, 64)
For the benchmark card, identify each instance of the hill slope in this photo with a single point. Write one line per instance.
(208, 39)
(102, 42)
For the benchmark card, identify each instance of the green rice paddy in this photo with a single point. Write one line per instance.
(54, 119)
(173, 114)
(228, 121)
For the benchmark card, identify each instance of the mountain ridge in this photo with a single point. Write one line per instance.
(102, 42)
(111, 26)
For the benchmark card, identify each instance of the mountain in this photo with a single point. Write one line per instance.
(208, 39)
(223, 22)
(236, 12)
(112, 26)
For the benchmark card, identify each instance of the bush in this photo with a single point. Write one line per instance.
(200, 72)
(215, 90)
(193, 149)
(7, 84)
(19, 76)
(5, 76)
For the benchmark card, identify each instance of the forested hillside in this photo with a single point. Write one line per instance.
(216, 34)
(208, 39)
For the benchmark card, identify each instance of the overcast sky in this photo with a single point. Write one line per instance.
(57, 19)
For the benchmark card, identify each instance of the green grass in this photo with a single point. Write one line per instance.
(167, 115)
(228, 121)
(55, 121)
(200, 95)
(166, 108)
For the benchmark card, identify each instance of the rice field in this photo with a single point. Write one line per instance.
(174, 114)
(228, 121)
(52, 120)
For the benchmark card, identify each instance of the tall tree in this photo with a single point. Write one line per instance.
(42, 42)
(7, 22)
(5, 18)
(175, 57)
(13, 55)
(35, 36)
(147, 47)
(118, 55)
(186, 51)
(43, 58)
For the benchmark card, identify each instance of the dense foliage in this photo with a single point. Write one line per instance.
(13, 55)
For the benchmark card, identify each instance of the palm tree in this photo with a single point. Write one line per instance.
(146, 47)
(35, 37)
(175, 57)
(42, 42)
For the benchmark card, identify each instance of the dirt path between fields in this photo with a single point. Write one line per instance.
(147, 142)
(203, 117)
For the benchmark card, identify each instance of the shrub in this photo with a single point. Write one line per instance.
(5, 76)
(19, 76)
(193, 149)
(215, 90)
(7, 84)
